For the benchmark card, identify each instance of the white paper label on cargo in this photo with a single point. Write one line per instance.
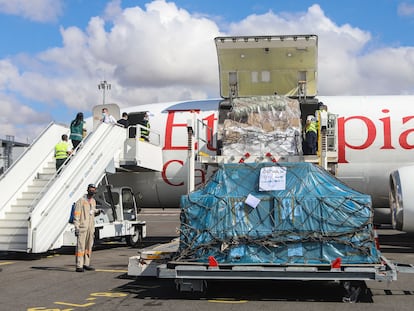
(252, 201)
(272, 178)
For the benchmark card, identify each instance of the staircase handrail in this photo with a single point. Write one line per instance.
(35, 169)
(67, 179)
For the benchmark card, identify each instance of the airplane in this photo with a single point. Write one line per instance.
(375, 141)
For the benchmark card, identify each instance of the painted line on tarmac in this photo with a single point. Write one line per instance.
(6, 263)
(54, 255)
(227, 301)
(112, 271)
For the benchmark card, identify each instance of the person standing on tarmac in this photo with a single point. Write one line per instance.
(84, 221)
(62, 151)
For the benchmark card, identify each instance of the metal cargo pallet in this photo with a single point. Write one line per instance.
(193, 276)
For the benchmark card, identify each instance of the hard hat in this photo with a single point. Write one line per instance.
(310, 118)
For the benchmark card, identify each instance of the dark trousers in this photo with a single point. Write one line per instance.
(310, 143)
(59, 163)
(75, 143)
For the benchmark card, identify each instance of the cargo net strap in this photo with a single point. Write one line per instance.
(314, 219)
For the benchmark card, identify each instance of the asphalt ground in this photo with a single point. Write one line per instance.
(49, 281)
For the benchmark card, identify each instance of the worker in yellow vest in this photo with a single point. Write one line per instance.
(145, 130)
(311, 133)
(62, 151)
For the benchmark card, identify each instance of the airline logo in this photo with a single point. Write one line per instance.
(377, 133)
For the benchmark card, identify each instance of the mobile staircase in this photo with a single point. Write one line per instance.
(36, 200)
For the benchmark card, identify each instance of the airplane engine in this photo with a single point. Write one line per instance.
(401, 196)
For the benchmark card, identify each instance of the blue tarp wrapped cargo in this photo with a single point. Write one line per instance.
(276, 213)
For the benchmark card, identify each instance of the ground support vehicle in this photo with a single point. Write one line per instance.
(119, 218)
(190, 277)
(156, 261)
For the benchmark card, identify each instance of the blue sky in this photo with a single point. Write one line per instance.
(55, 52)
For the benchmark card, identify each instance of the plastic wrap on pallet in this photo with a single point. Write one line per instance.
(314, 220)
(262, 124)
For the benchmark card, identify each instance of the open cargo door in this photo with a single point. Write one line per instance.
(267, 65)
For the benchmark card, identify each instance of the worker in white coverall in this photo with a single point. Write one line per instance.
(84, 221)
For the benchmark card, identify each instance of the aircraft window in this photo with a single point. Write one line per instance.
(255, 77)
(265, 76)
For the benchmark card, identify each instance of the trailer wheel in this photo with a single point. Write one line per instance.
(354, 290)
(134, 240)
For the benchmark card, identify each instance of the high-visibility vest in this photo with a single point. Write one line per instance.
(311, 127)
(61, 150)
(145, 131)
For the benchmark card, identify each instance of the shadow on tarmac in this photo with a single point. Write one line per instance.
(304, 291)
(151, 288)
(70, 250)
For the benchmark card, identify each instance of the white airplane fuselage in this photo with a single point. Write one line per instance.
(375, 137)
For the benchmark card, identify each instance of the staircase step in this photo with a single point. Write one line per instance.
(19, 208)
(25, 202)
(35, 188)
(31, 195)
(16, 216)
(39, 183)
(51, 164)
(8, 223)
(14, 230)
(13, 238)
(49, 170)
(13, 247)
(43, 176)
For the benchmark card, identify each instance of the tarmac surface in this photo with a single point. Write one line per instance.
(49, 281)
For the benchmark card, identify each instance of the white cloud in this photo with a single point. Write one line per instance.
(162, 46)
(161, 53)
(346, 65)
(338, 45)
(35, 10)
(394, 70)
(113, 9)
(164, 53)
(405, 9)
(20, 120)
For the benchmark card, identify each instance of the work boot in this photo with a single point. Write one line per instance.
(79, 269)
(89, 268)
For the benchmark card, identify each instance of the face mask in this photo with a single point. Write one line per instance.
(91, 193)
